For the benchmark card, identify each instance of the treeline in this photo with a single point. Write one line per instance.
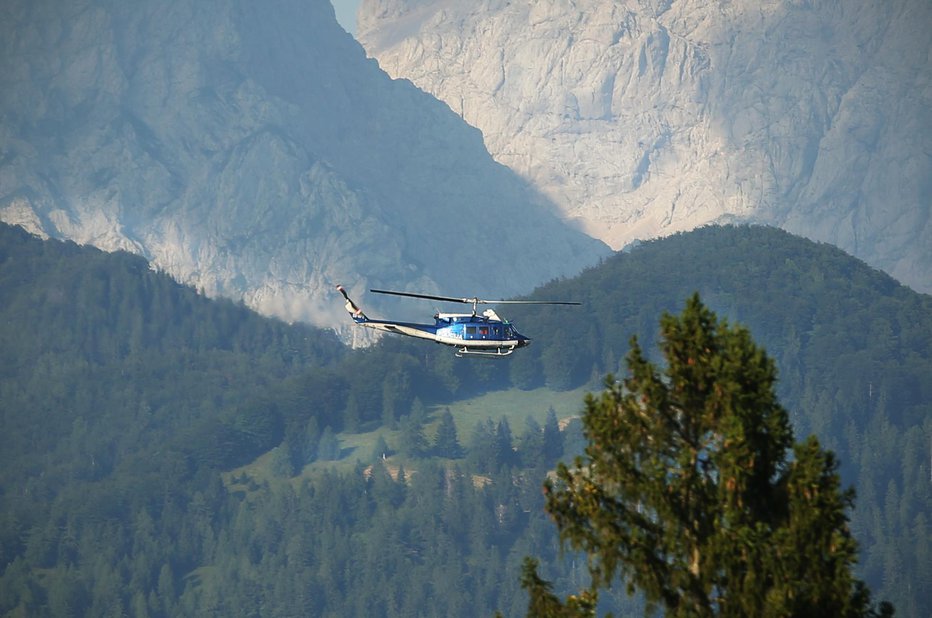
(124, 396)
(436, 539)
(853, 349)
(104, 362)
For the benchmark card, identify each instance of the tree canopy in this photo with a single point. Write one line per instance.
(158, 446)
(692, 491)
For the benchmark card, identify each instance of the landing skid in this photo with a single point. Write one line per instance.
(496, 353)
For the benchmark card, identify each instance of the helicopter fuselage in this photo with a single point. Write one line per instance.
(485, 334)
(472, 334)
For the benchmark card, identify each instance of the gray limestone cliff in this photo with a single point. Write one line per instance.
(641, 118)
(252, 150)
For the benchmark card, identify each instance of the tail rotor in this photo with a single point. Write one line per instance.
(351, 307)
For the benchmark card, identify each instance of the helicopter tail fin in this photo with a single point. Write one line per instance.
(353, 309)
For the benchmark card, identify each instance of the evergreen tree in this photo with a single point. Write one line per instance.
(482, 454)
(380, 451)
(688, 493)
(389, 403)
(418, 411)
(280, 463)
(553, 438)
(352, 415)
(531, 444)
(309, 442)
(328, 447)
(504, 450)
(525, 371)
(412, 442)
(446, 442)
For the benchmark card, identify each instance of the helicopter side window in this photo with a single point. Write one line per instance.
(496, 332)
(483, 331)
(470, 332)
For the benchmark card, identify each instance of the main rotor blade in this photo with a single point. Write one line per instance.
(428, 296)
(472, 301)
(530, 302)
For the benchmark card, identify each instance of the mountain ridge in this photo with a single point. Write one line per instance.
(644, 118)
(126, 395)
(251, 150)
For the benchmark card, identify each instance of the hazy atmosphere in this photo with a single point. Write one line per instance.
(465, 308)
(346, 13)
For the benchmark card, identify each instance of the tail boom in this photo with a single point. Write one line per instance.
(352, 308)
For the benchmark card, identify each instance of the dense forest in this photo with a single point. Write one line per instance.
(137, 416)
(853, 349)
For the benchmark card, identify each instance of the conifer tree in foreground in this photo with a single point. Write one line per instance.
(692, 491)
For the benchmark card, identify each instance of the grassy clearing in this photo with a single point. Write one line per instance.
(515, 405)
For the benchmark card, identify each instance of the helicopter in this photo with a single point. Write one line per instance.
(472, 334)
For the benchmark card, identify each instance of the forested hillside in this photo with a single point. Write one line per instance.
(124, 397)
(853, 349)
(167, 454)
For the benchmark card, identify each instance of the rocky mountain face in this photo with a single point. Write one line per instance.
(252, 150)
(641, 118)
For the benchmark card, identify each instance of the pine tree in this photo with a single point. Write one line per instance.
(380, 451)
(553, 438)
(531, 444)
(328, 447)
(481, 454)
(687, 490)
(412, 442)
(503, 443)
(446, 442)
